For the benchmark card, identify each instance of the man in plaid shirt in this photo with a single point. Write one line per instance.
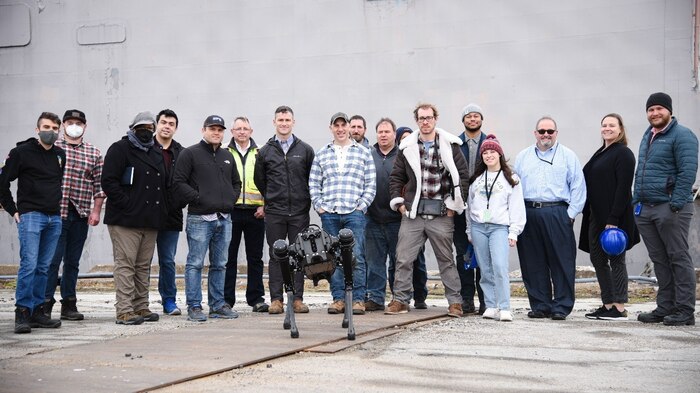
(81, 184)
(342, 185)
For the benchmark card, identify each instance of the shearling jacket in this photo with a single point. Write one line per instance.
(406, 177)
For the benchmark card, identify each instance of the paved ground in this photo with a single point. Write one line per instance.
(464, 354)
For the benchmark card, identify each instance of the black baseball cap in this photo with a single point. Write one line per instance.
(74, 114)
(214, 120)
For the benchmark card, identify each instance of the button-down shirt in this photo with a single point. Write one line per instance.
(81, 178)
(342, 191)
(554, 175)
(285, 144)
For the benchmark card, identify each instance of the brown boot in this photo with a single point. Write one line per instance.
(276, 307)
(300, 307)
(358, 308)
(396, 307)
(455, 310)
(337, 307)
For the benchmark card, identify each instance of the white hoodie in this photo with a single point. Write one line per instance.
(506, 205)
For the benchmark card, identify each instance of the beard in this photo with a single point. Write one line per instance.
(473, 129)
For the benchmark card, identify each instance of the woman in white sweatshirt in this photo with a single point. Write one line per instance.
(496, 218)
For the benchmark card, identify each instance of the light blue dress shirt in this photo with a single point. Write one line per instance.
(552, 176)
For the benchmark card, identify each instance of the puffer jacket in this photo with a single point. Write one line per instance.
(667, 167)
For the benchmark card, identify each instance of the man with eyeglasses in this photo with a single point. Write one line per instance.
(555, 192)
(247, 219)
(428, 186)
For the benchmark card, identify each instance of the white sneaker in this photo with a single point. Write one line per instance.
(490, 313)
(505, 316)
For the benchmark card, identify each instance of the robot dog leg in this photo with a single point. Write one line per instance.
(347, 241)
(281, 251)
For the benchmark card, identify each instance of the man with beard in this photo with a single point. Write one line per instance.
(472, 137)
(38, 165)
(555, 192)
(663, 206)
(358, 128)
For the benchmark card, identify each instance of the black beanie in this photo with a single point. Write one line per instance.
(662, 99)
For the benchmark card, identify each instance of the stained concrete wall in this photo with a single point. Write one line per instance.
(574, 60)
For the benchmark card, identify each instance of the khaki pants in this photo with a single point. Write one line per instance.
(133, 251)
(412, 236)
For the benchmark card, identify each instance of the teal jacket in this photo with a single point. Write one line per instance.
(667, 167)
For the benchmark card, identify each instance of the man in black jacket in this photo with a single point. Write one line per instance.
(168, 235)
(282, 176)
(207, 180)
(133, 177)
(38, 165)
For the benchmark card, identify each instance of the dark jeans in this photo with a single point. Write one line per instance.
(69, 249)
(287, 228)
(469, 278)
(166, 245)
(245, 224)
(547, 252)
(356, 222)
(610, 271)
(665, 235)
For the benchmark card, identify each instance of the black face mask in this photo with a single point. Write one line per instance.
(143, 134)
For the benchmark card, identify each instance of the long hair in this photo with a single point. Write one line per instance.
(507, 172)
(622, 138)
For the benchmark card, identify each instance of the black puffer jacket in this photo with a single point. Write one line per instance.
(284, 180)
(207, 179)
(140, 204)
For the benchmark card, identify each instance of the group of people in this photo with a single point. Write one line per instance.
(458, 192)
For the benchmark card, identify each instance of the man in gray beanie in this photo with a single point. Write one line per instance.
(133, 177)
(663, 207)
(472, 137)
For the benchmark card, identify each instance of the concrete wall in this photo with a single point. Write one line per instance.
(574, 60)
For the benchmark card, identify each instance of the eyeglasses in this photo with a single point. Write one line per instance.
(241, 129)
(423, 119)
(542, 132)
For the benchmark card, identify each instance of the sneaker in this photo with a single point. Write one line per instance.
(261, 307)
(504, 316)
(490, 313)
(679, 319)
(129, 318)
(171, 308)
(277, 307)
(420, 305)
(396, 307)
(594, 315)
(358, 308)
(455, 310)
(613, 315)
(69, 310)
(299, 307)
(147, 315)
(372, 306)
(337, 307)
(195, 314)
(225, 312)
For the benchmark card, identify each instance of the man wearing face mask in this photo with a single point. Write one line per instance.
(39, 165)
(81, 184)
(134, 178)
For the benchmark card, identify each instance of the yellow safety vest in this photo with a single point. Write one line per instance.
(250, 195)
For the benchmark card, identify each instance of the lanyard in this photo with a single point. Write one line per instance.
(486, 188)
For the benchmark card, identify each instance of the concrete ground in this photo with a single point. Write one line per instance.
(466, 354)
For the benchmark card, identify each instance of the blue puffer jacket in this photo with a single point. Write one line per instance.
(666, 169)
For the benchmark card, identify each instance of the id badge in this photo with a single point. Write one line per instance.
(638, 209)
(487, 215)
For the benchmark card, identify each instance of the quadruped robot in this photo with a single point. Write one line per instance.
(316, 254)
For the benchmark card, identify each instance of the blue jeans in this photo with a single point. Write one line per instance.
(166, 244)
(74, 230)
(215, 237)
(491, 247)
(355, 221)
(381, 239)
(38, 235)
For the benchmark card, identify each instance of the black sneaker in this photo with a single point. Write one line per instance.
(261, 307)
(420, 304)
(596, 313)
(613, 315)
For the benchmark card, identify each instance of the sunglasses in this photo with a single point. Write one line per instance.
(542, 132)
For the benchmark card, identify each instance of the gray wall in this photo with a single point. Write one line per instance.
(574, 60)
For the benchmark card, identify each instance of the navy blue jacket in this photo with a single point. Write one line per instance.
(379, 210)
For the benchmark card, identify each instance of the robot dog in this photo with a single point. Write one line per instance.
(316, 254)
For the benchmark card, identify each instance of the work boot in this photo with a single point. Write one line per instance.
(337, 307)
(373, 306)
(147, 315)
(358, 308)
(39, 320)
(129, 318)
(22, 320)
(299, 307)
(276, 307)
(455, 310)
(396, 307)
(468, 306)
(69, 310)
(48, 306)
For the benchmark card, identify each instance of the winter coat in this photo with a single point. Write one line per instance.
(173, 219)
(379, 210)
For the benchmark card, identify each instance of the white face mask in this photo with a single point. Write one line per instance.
(74, 131)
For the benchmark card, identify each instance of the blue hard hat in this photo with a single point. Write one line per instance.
(613, 241)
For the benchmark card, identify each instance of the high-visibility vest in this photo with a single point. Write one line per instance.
(250, 195)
